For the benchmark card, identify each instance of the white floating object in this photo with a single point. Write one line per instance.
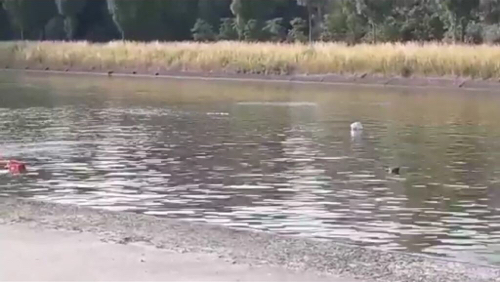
(356, 126)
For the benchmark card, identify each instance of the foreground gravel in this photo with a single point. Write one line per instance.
(255, 248)
(58, 255)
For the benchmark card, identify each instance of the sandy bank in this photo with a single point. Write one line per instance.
(324, 79)
(49, 255)
(243, 247)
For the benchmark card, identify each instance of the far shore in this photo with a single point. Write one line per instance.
(326, 79)
(411, 65)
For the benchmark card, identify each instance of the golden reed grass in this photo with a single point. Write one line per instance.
(431, 59)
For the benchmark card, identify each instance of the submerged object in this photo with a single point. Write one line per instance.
(356, 130)
(356, 126)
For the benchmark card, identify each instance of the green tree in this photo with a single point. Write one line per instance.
(420, 21)
(457, 15)
(203, 31)
(227, 29)
(275, 29)
(343, 23)
(137, 19)
(70, 9)
(238, 10)
(259, 10)
(315, 14)
(298, 31)
(177, 18)
(213, 11)
(96, 23)
(54, 29)
(252, 30)
(4, 25)
(489, 11)
(352, 21)
(29, 17)
(390, 29)
(491, 33)
(474, 33)
(376, 12)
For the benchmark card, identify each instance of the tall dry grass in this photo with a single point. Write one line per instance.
(431, 59)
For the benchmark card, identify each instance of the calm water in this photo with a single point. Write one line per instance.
(270, 157)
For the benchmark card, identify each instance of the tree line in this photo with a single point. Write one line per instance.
(351, 21)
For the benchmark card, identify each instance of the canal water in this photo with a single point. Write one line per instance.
(265, 156)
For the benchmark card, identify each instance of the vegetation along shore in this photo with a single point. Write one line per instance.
(424, 38)
(386, 59)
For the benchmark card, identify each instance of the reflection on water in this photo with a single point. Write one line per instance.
(265, 157)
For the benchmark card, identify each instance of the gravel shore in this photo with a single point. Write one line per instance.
(51, 255)
(258, 249)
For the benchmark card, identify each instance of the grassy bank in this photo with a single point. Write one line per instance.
(411, 59)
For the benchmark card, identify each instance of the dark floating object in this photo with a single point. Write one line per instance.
(27, 68)
(66, 70)
(394, 170)
(157, 74)
(6, 67)
(134, 72)
(47, 68)
(110, 73)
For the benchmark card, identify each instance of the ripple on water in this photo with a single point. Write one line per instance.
(285, 167)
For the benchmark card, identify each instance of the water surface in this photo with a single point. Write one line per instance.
(264, 156)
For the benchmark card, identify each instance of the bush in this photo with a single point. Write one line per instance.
(298, 31)
(252, 30)
(203, 31)
(227, 30)
(491, 34)
(275, 29)
(390, 30)
(474, 33)
(54, 29)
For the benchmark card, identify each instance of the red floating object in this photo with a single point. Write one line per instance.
(15, 167)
